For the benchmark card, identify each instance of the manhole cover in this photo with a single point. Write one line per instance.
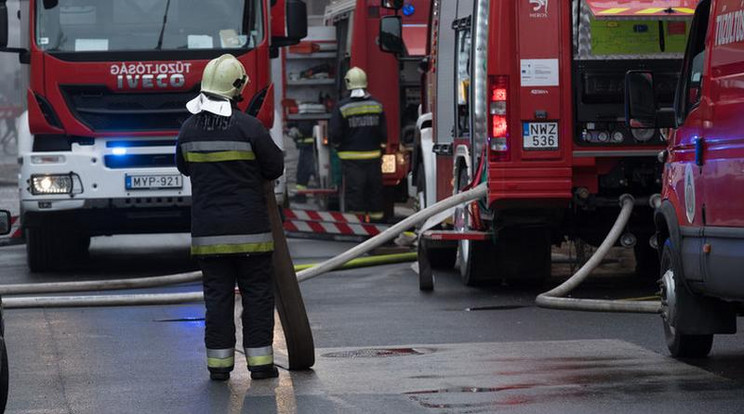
(379, 353)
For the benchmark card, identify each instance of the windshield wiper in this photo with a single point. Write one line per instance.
(162, 29)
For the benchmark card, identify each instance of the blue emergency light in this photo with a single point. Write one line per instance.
(408, 9)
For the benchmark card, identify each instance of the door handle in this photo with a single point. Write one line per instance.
(699, 151)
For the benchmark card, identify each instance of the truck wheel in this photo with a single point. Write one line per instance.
(474, 258)
(647, 260)
(476, 262)
(674, 293)
(42, 245)
(4, 375)
(523, 255)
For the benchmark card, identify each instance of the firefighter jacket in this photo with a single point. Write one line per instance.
(228, 160)
(302, 134)
(358, 128)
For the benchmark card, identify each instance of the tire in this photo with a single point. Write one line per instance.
(475, 259)
(4, 375)
(647, 260)
(50, 247)
(476, 262)
(41, 248)
(674, 294)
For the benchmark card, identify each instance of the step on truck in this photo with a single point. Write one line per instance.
(527, 96)
(700, 221)
(108, 84)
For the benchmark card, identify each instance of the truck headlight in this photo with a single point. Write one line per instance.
(388, 164)
(51, 184)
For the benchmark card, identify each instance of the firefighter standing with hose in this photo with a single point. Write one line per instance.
(357, 130)
(229, 155)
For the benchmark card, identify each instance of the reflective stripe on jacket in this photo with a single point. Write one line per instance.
(358, 128)
(228, 160)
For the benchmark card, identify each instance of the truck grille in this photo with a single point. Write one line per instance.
(102, 110)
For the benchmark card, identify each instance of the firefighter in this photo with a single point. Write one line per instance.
(229, 155)
(302, 134)
(358, 130)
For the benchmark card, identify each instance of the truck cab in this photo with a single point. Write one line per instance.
(700, 221)
(108, 85)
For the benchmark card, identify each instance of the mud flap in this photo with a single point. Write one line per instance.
(289, 303)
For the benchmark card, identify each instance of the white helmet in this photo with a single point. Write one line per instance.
(355, 79)
(224, 77)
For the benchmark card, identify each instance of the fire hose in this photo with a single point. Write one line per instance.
(187, 297)
(555, 299)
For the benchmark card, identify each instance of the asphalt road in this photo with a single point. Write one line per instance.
(381, 345)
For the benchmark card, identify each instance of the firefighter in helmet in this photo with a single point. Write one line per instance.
(358, 130)
(229, 155)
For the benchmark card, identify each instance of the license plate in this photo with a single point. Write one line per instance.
(153, 181)
(542, 136)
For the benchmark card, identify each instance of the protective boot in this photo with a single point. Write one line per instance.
(218, 375)
(260, 372)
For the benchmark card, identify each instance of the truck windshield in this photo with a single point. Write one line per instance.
(138, 25)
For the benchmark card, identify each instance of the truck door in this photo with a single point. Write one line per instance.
(721, 160)
(683, 171)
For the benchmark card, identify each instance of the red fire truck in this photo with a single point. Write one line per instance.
(700, 221)
(108, 83)
(527, 95)
(393, 80)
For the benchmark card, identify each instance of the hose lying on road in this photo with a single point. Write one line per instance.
(554, 298)
(156, 281)
(173, 298)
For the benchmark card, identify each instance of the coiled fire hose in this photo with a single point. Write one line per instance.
(187, 297)
(554, 299)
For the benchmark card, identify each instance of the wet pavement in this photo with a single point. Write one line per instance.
(381, 347)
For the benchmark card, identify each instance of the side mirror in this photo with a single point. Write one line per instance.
(640, 101)
(391, 4)
(4, 222)
(391, 35)
(296, 20)
(3, 25)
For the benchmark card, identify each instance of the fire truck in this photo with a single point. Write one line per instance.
(699, 219)
(109, 80)
(394, 80)
(527, 96)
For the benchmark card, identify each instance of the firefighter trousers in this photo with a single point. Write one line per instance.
(363, 187)
(253, 275)
(305, 165)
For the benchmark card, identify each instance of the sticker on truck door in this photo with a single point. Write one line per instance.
(540, 136)
(539, 72)
(689, 194)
